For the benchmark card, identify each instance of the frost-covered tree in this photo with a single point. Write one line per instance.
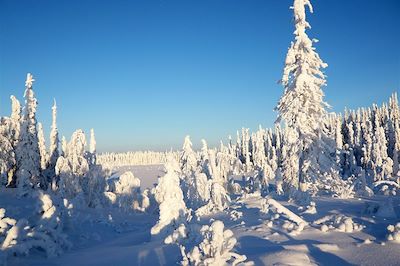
(72, 167)
(302, 106)
(188, 160)
(246, 148)
(64, 146)
(204, 157)
(396, 151)
(42, 147)
(16, 115)
(53, 151)
(382, 163)
(7, 156)
(169, 196)
(28, 172)
(127, 189)
(91, 154)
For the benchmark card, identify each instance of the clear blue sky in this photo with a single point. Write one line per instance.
(145, 73)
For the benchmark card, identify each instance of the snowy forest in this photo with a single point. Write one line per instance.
(319, 188)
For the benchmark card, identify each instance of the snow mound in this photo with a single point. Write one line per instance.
(287, 257)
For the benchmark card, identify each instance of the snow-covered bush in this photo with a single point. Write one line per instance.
(127, 190)
(215, 249)
(278, 214)
(219, 201)
(338, 222)
(45, 234)
(169, 196)
(394, 233)
(5, 224)
(386, 188)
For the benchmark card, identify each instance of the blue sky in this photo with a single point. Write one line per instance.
(145, 73)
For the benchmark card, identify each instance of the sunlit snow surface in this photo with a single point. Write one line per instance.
(109, 237)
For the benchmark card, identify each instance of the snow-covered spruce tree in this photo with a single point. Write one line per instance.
(16, 115)
(169, 196)
(7, 156)
(204, 157)
(42, 148)
(382, 163)
(215, 249)
(396, 151)
(94, 184)
(11, 130)
(72, 167)
(27, 152)
(92, 148)
(188, 160)
(302, 106)
(53, 152)
(246, 148)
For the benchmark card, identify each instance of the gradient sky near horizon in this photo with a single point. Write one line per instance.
(146, 73)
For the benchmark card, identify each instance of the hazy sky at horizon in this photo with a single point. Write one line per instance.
(144, 74)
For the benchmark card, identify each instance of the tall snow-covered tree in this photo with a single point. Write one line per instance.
(188, 160)
(42, 147)
(91, 155)
(15, 117)
(396, 151)
(53, 151)
(383, 164)
(92, 148)
(302, 106)
(27, 152)
(7, 156)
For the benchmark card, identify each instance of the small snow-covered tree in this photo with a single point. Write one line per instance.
(219, 200)
(215, 249)
(27, 152)
(169, 196)
(72, 167)
(95, 183)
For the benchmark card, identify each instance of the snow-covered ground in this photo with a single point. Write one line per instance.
(111, 237)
